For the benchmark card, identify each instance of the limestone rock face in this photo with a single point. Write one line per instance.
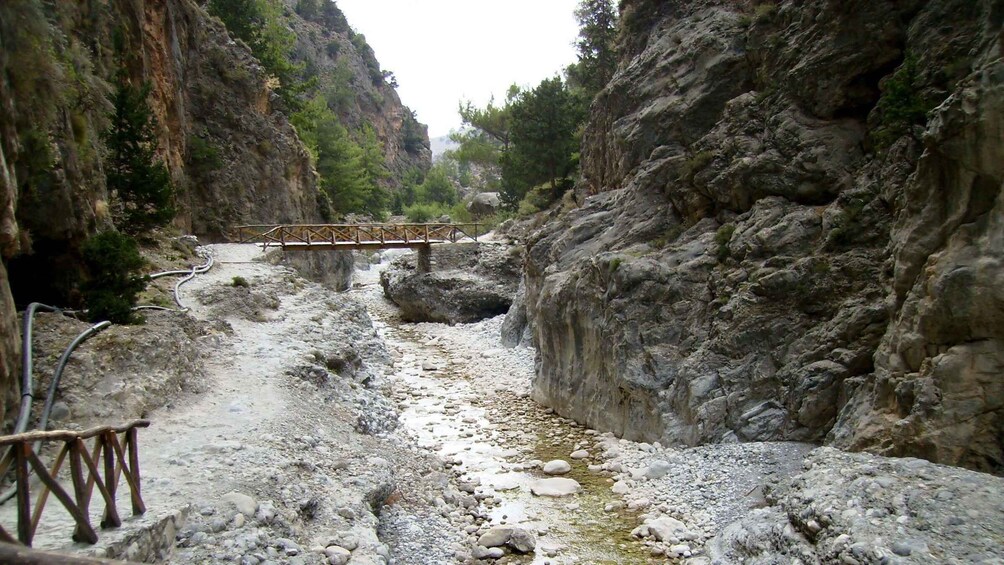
(763, 252)
(870, 509)
(468, 282)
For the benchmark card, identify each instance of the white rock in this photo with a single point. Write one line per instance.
(557, 467)
(579, 454)
(337, 555)
(658, 470)
(620, 487)
(555, 487)
(667, 528)
(242, 502)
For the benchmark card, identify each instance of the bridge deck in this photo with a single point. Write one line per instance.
(320, 237)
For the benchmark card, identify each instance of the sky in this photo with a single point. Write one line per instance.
(445, 51)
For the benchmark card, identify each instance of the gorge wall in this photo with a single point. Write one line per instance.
(222, 130)
(792, 228)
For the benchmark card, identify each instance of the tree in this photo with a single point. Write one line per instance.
(596, 46)
(438, 188)
(113, 261)
(138, 182)
(543, 140)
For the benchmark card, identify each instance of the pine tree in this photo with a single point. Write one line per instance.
(138, 182)
(596, 45)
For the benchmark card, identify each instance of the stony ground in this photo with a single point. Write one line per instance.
(324, 430)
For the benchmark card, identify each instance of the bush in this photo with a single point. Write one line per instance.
(240, 282)
(423, 213)
(722, 237)
(113, 261)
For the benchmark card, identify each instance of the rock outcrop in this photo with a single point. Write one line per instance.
(859, 508)
(468, 282)
(791, 229)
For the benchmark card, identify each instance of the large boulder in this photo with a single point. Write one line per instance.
(468, 282)
(484, 204)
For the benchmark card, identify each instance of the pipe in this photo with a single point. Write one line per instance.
(195, 271)
(60, 366)
(27, 364)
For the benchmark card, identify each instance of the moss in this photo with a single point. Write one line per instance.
(240, 282)
(615, 264)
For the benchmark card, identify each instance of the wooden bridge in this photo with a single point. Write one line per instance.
(323, 237)
(349, 237)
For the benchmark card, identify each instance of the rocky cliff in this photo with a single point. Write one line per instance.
(222, 130)
(792, 228)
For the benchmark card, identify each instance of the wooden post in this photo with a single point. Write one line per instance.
(112, 519)
(23, 499)
(425, 258)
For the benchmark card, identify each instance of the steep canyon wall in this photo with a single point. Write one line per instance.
(222, 130)
(792, 228)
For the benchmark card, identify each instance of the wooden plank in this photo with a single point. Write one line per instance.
(67, 435)
(87, 534)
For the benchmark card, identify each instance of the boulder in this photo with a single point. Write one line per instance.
(484, 204)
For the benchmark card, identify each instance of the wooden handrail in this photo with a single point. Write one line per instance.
(354, 236)
(105, 463)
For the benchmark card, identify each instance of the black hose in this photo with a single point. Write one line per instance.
(27, 366)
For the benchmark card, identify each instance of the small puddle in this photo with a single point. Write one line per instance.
(492, 436)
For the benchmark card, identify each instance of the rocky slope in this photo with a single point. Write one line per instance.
(222, 131)
(791, 229)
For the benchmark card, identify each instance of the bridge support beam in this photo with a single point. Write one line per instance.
(424, 258)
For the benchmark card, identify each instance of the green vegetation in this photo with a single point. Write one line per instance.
(203, 156)
(765, 12)
(596, 46)
(240, 282)
(532, 138)
(260, 24)
(722, 238)
(901, 106)
(138, 182)
(112, 260)
(695, 164)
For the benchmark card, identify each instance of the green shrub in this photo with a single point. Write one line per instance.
(240, 282)
(765, 12)
(203, 156)
(722, 238)
(113, 261)
(901, 105)
(695, 164)
(422, 213)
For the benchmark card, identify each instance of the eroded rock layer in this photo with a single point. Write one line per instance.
(791, 229)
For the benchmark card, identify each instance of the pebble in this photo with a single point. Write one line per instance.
(579, 454)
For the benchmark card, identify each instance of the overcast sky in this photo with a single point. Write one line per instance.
(442, 51)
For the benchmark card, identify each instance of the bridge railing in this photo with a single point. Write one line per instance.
(354, 234)
(108, 459)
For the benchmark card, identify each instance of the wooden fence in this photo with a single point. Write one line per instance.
(102, 465)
